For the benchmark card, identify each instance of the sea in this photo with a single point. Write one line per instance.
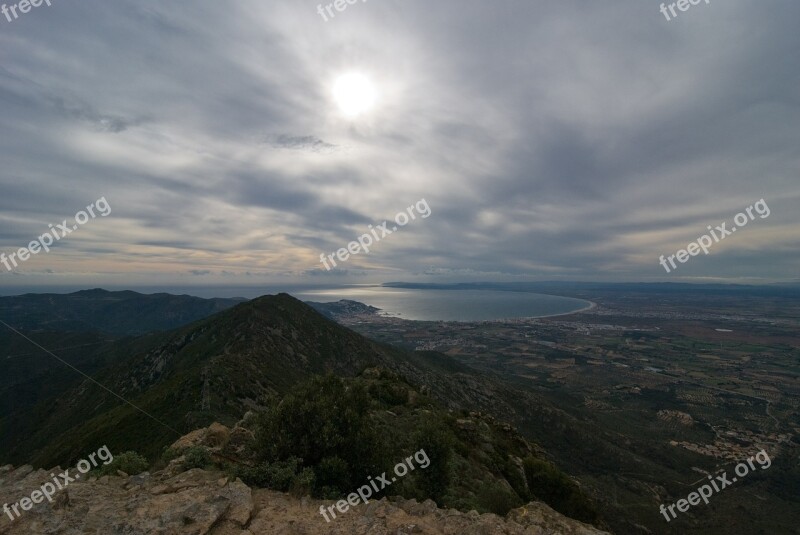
(452, 305)
(411, 304)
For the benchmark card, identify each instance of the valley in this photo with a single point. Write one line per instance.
(682, 385)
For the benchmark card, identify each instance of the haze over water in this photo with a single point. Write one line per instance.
(405, 303)
(451, 305)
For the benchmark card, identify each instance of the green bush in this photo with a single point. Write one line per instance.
(319, 422)
(303, 483)
(280, 474)
(330, 472)
(169, 454)
(390, 394)
(196, 457)
(497, 498)
(557, 490)
(253, 475)
(129, 462)
(437, 440)
(516, 478)
(284, 476)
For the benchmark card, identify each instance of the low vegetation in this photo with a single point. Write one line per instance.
(329, 435)
(129, 462)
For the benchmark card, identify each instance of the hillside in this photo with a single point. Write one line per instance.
(209, 501)
(117, 313)
(249, 358)
(242, 359)
(483, 475)
(214, 369)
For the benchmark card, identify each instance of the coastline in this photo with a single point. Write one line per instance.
(383, 314)
(592, 305)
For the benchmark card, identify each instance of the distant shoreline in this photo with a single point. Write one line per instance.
(382, 313)
(592, 305)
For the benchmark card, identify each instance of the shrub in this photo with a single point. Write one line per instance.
(303, 483)
(553, 487)
(497, 498)
(280, 475)
(129, 462)
(330, 473)
(516, 478)
(196, 457)
(253, 475)
(169, 454)
(437, 440)
(320, 421)
(390, 394)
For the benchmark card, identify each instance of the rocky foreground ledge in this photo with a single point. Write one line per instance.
(200, 502)
(209, 502)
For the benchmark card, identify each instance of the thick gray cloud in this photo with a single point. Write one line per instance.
(552, 140)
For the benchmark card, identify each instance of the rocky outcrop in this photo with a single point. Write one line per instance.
(201, 502)
(208, 502)
(194, 502)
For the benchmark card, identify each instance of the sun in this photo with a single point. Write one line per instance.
(355, 94)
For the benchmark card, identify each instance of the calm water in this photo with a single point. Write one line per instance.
(451, 305)
(412, 304)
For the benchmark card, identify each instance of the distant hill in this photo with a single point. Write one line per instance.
(119, 313)
(569, 288)
(214, 369)
(343, 307)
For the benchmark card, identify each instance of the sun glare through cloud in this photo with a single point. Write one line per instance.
(354, 94)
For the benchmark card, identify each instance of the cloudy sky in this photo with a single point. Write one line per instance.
(560, 140)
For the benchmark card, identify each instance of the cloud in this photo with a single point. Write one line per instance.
(334, 273)
(301, 143)
(552, 140)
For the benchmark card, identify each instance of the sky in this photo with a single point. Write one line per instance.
(567, 140)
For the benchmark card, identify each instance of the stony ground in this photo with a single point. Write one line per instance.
(200, 502)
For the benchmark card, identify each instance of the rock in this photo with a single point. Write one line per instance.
(428, 507)
(61, 500)
(208, 502)
(408, 506)
(217, 436)
(195, 438)
(140, 478)
(540, 514)
(241, 499)
(194, 503)
(27, 469)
